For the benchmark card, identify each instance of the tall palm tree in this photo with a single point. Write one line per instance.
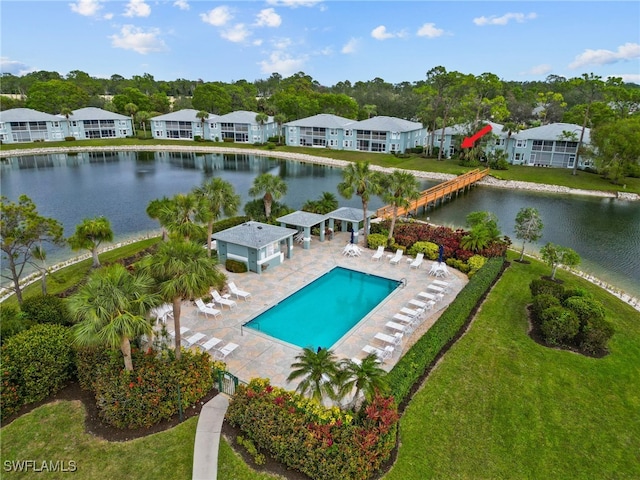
(327, 203)
(111, 309)
(90, 234)
(318, 370)
(182, 271)
(67, 112)
(280, 118)
(261, 119)
(271, 187)
(215, 197)
(143, 117)
(358, 178)
(366, 377)
(131, 109)
(180, 215)
(399, 189)
(203, 116)
(158, 209)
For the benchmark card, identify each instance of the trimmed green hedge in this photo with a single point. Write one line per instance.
(414, 363)
(46, 309)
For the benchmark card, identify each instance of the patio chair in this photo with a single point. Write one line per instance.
(196, 337)
(207, 310)
(209, 344)
(382, 354)
(429, 296)
(404, 329)
(224, 352)
(396, 339)
(397, 257)
(378, 255)
(428, 305)
(237, 292)
(418, 261)
(217, 298)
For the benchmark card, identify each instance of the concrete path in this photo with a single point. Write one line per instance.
(207, 443)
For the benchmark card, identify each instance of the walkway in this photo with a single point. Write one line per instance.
(207, 443)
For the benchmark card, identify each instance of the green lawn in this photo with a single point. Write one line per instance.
(552, 176)
(501, 406)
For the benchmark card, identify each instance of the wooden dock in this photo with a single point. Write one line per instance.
(442, 191)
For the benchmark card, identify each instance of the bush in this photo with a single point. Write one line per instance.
(594, 335)
(198, 138)
(558, 325)
(227, 140)
(46, 309)
(35, 364)
(149, 393)
(429, 249)
(458, 265)
(585, 308)
(375, 240)
(69, 139)
(475, 263)
(541, 303)
(236, 266)
(540, 286)
(12, 322)
(271, 146)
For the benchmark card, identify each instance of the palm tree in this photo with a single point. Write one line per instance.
(67, 112)
(180, 215)
(215, 197)
(358, 178)
(319, 369)
(111, 309)
(399, 189)
(366, 377)
(131, 109)
(182, 271)
(327, 203)
(143, 117)
(370, 110)
(203, 116)
(271, 186)
(90, 234)
(280, 118)
(261, 119)
(157, 209)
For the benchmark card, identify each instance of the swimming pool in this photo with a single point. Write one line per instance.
(320, 313)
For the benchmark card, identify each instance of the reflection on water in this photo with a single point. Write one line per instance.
(120, 185)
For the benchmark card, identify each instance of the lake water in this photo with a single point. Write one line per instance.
(120, 185)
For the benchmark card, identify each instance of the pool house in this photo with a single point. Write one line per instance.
(304, 222)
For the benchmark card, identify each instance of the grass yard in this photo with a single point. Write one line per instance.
(501, 406)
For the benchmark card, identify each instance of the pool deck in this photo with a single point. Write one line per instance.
(262, 356)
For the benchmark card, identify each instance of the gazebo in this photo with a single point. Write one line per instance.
(255, 244)
(350, 215)
(306, 221)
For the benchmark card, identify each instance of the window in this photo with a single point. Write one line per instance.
(518, 157)
(122, 123)
(333, 131)
(1, 125)
(74, 123)
(572, 161)
(158, 133)
(123, 132)
(55, 124)
(292, 129)
(347, 143)
(499, 141)
(521, 144)
(348, 133)
(333, 142)
(393, 147)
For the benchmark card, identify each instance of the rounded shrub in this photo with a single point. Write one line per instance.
(13, 322)
(595, 335)
(429, 249)
(235, 266)
(541, 285)
(559, 325)
(35, 364)
(541, 303)
(586, 308)
(375, 240)
(46, 309)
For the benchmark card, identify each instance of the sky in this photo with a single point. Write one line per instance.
(329, 40)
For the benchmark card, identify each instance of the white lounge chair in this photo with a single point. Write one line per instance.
(428, 305)
(220, 300)
(378, 255)
(406, 319)
(397, 257)
(412, 312)
(382, 354)
(237, 292)
(418, 261)
(404, 329)
(222, 353)
(396, 339)
(206, 309)
(196, 337)
(209, 344)
(429, 296)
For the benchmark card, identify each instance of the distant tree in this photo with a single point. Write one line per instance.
(617, 146)
(143, 117)
(132, 95)
(212, 97)
(359, 179)
(280, 119)
(111, 309)
(131, 109)
(556, 255)
(370, 110)
(67, 112)
(591, 88)
(203, 116)
(90, 234)
(551, 105)
(215, 197)
(21, 230)
(325, 204)
(271, 187)
(399, 189)
(53, 95)
(318, 371)
(528, 226)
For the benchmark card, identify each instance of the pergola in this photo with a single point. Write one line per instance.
(305, 221)
(350, 215)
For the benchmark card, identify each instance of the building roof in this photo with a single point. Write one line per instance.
(93, 113)
(322, 120)
(254, 234)
(242, 116)
(554, 131)
(26, 115)
(185, 115)
(302, 219)
(349, 214)
(387, 124)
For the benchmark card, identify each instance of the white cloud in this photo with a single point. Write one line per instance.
(257, 42)
(624, 52)
(238, 33)
(14, 67)
(108, 16)
(217, 17)
(430, 30)
(181, 4)
(628, 77)
(86, 8)
(293, 3)
(541, 69)
(380, 33)
(351, 46)
(281, 43)
(282, 63)
(504, 19)
(138, 40)
(137, 8)
(268, 18)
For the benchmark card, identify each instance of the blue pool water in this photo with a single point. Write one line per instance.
(320, 313)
